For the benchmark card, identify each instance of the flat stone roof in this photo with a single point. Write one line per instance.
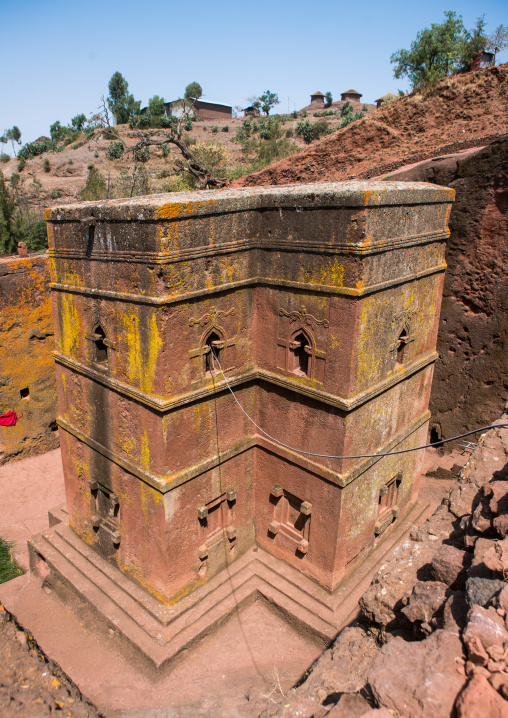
(179, 205)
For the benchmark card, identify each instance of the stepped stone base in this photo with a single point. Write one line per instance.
(153, 633)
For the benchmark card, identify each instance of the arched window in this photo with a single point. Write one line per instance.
(101, 348)
(301, 348)
(401, 347)
(214, 345)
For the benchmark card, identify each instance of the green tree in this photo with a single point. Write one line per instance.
(120, 102)
(57, 131)
(472, 43)
(8, 238)
(95, 187)
(434, 54)
(156, 106)
(193, 91)
(268, 100)
(78, 121)
(328, 99)
(14, 135)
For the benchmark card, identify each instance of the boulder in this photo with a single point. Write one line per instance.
(455, 612)
(418, 679)
(479, 700)
(479, 591)
(486, 625)
(425, 600)
(492, 502)
(496, 557)
(449, 564)
(461, 499)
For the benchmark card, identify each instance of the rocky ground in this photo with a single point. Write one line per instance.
(30, 686)
(439, 648)
(432, 638)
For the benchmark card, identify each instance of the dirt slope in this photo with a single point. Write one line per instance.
(462, 111)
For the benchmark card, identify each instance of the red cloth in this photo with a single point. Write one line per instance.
(9, 419)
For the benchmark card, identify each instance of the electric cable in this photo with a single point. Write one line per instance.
(356, 456)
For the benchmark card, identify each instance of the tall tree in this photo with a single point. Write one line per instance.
(14, 135)
(268, 100)
(193, 91)
(121, 103)
(438, 51)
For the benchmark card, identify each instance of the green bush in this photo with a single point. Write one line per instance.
(346, 109)
(21, 164)
(4, 157)
(165, 149)
(55, 193)
(115, 150)
(294, 115)
(70, 162)
(304, 130)
(95, 186)
(33, 149)
(46, 166)
(225, 128)
(169, 122)
(96, 153)
(187, 125)
(214, 129)
(88, 132)
(142, 154)
(364, 108)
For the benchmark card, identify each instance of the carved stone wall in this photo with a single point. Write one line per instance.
(320, 304)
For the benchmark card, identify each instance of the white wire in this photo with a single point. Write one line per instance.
(357, 456)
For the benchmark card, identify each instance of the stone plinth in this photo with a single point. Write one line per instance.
(322, 304)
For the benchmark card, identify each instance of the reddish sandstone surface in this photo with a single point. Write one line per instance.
(470, 385)
(27, 373)
(461, 111)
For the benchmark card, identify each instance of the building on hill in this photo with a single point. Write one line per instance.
(251, 111)
(206, 110)
(317, 99)
(351, 95)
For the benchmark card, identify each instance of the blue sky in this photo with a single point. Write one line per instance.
(57, 57)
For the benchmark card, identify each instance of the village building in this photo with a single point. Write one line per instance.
(351, 95)
(206, 110)
(317, 100)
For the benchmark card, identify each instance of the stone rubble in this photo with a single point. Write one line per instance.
(441, 647)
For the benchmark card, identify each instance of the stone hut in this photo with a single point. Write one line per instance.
(317, 99)
(351, 95)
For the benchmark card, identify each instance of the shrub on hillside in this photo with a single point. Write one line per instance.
(46, 166)
(115, 150)
(4, 157)
(214, 156)
(95, 186)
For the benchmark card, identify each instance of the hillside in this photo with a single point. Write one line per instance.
(68, 166)
(461, 111)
